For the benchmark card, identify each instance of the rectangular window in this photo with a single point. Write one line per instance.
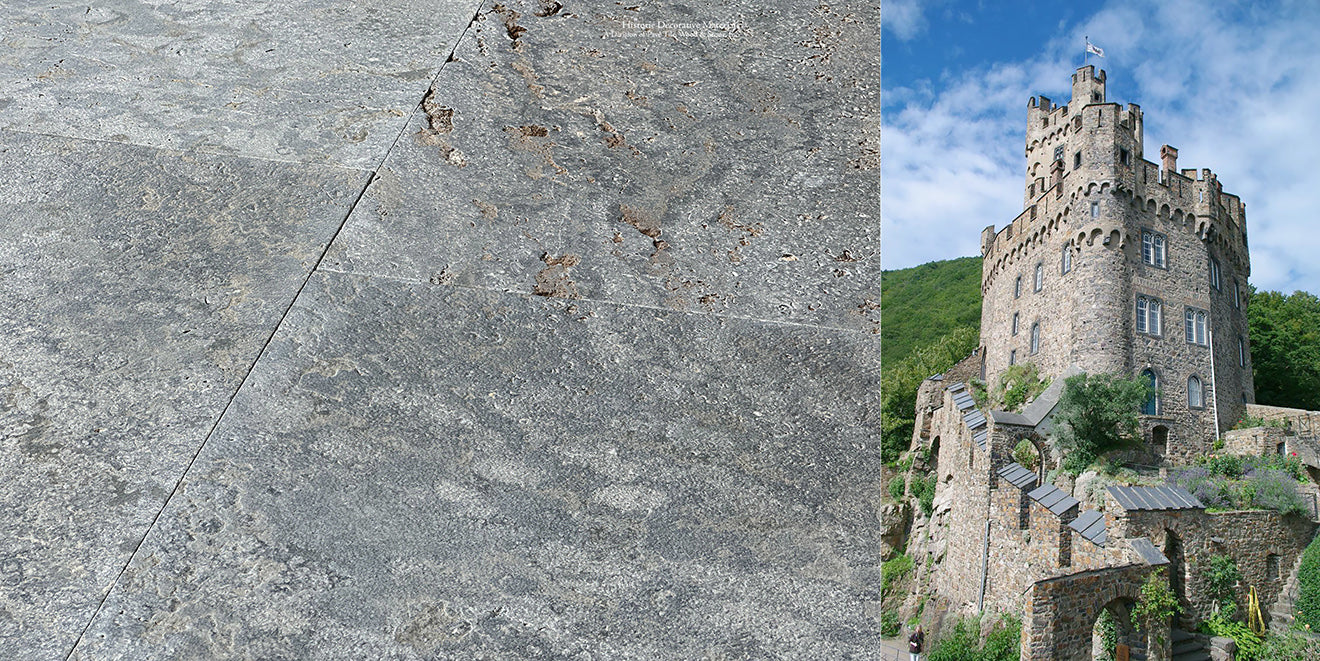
(1017, 287)
(1015, 323)
(1124, 156)
(1012, 357)
(1077, 160)
(1214, 274)
(1242, 352)
(1237, 295)
(1067, 259)
(1095, 209)
(1040, 277)
(1058, 153)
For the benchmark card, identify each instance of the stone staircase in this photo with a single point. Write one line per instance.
(1186, 647)
(1283, 612)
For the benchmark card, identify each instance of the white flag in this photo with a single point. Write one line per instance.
(1092, 48)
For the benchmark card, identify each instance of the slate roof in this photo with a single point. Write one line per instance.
(1148, 551)
(972, 416)
(1091, 525)
(1053, 499)
(1154, 498)
(1019, 476)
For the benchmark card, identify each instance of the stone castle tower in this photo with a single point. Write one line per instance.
(1119, 264)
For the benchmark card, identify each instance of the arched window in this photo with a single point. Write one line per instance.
(1152, 405)
(1067, 258)
(1015, 323)
(1035, 338)
(1148, 315)
(1195, 393)
(1040, 276)
(1194, 326)
(1012, 357)
(1017, 287)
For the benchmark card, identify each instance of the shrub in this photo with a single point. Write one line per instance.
(1308, 597)
(1025, 453)
(923, 489)
(889, 625)
(959, 645)
(1226, 465)
(1290, 647)
(897, 487)
(1221, 576)
(1002, 644)
(894, 570)
(1249, 645)
(1004, 641)
(1155, 605)
(1097, 414)
(1108, 635)
(1017, 384)
(1226, 482)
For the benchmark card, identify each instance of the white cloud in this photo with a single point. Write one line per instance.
(905, 19)
(1235, 94)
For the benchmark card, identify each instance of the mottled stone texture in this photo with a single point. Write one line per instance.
(295, 80)
(422, 471)
(588, 372)
(137, 287)
(571, 154)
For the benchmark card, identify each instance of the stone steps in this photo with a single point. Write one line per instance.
(1283, 612)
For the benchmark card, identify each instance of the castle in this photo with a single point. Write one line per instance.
(1116, 265)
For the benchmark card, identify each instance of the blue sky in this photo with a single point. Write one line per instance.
(1234, 86)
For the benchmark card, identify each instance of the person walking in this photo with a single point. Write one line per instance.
(915, 643)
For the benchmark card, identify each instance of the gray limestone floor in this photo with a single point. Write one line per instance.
(425, 330)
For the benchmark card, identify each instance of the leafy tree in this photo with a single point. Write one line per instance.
(899, 383)
(1221, 576)
(1016, 385)
(1285, 348)
(1155, 605)
(1097, 413)
(920, 305)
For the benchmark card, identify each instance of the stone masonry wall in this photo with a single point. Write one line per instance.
(1095, 204)
(1061, 612)
(963, 468)
(1249, 537)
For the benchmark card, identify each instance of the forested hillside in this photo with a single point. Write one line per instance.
(924, 303)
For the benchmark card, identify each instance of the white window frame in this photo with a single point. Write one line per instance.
(1039, 282)
(1067, 259)
(1149, 316)
(1015, 324)
(1154, 249)
(1035, 338)
(1214, 274)
(1195, 387)
(1195, 323)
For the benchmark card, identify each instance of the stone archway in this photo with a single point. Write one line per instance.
(1174, 551)
(1112, 633)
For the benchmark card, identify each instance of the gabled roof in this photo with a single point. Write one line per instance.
(1091, 526)
(1053, 499)
(1019, 476)
(1154, 498)
(1148, 551)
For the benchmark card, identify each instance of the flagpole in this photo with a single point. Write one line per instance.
(1086, 58)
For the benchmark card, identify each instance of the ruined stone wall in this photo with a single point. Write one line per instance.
(1060, 612)
(963, 468)
(1249, 537)
(1258, 441)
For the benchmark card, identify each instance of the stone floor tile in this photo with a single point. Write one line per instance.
(589, 152)
(417, 471)
(304, 80)
(138, 287)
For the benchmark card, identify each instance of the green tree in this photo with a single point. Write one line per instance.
(899, 383)
(1285, 348)
(1155, 606)
(1097, 413)
(921, 304)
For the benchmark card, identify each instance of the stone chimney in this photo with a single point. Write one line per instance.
(1169, 157)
